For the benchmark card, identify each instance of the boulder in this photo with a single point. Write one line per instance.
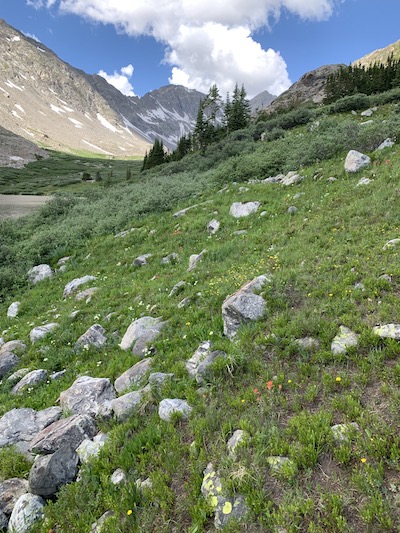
(29, 380)
(140, 333)
(16, 346)
(169, 406)
(87, 395)
(292, 178)
(39, 273)
(50, 472)
(73, 285)
(13, 309)
(355, 161)
(213, 226)
(127, 404)
(20, 426)
(133, 376)
(27, 511)
(8, 361)
(41, 331)
(94, 336)
(10, 491)
(239, 209)
(71, 431)
(195, 259)
(344, 340)
(243, 306)
(197, 366)
(141, 260)
(387, 143)
(225, 508)
(388, 331)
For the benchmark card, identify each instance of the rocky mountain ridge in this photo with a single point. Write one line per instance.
(380, 55)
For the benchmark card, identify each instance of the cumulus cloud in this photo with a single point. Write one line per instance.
(31, 36)
(120, 80)
(209, 41)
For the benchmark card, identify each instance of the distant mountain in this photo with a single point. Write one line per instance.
(261, 101)
(309, 88)
(48, 102)
(166, 113)
(380, 56)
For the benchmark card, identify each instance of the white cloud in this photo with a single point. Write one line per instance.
(31, 36)
(207, 41)
(120, 80)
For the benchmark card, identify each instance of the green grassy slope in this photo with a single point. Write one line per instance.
(285, 397)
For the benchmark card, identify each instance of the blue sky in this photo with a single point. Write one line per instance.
(265, 44)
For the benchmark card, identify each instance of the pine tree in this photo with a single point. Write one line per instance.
(156, 156)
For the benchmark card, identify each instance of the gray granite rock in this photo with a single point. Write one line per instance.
(8, 361)
(198, 365)
(158, 379)
(213, 226)
(243, 306)
(238, 438)
(133, 376)
(291, 178)
(100, 526)
(239, 209)
(86, 295)
(27, 511)
(13, 309)
(50, 472)
(140, 333)
(89, 449)
(195, 259)
(355, 161)
(41, 331)
(344, 340)
(177, 288)
(31, 379)
(87, 395)
(342, 432)
(391, 244)
(141, 260)
(17, 347)
(71, 431)
(118, 477)
(128, 404)
(307, 343)
(387, 143)
(168, 407)
(171, 258)
(73, 285)
(39, 273)
(94, 336)
(388, 331)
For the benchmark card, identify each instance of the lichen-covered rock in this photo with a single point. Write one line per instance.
(39, 273)
(87, 395)
(10, 491)
(91, 448)
(27, 511)
(388, 331)
(355, 161)
(282, 465)
(169, 406)
(243, 306)
(344, 339)
(225, 508)
(342, 432)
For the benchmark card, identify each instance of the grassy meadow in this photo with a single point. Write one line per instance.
(326, 263)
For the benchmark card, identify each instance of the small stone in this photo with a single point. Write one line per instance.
(391, 244)
(73, 285)
(292, 178)
(386, 277)
(263, 214)
(292, 210)
(240, 232)
(18, 375)
(182, 212)
(63, 260)
(41, 331)
(331, 179)
(158, 379)
(118, 477)
(195, 259)
(141, 260)
(171, 258)
(99, 526)
(341, 432)
(213, 226)
(238, 438)
(177, 288)
(89, 449)
(278, 464)
(86, 295)
(30, 380)
(307, 343)
(367, 113)
(359, 286)
(364, 181)
(387, 143)
(184, 303)
(94, 336)
(57, 375)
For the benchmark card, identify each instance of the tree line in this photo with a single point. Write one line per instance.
(355, 79)
(215, 119)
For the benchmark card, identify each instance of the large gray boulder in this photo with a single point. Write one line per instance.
(8, 361)
(239, 209)
(39, 273)
(88, 395)
(94, 336)
(10, 491)
(140, 333)
(50, 472)
(29, 380)
(19, 426)
(170, 406)
(16, 346)
(41, 331)
(225, 508)
(73, 285)
(27, 511)
(133, 376)
(355, 161)
(243, 306)
(71, 431)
